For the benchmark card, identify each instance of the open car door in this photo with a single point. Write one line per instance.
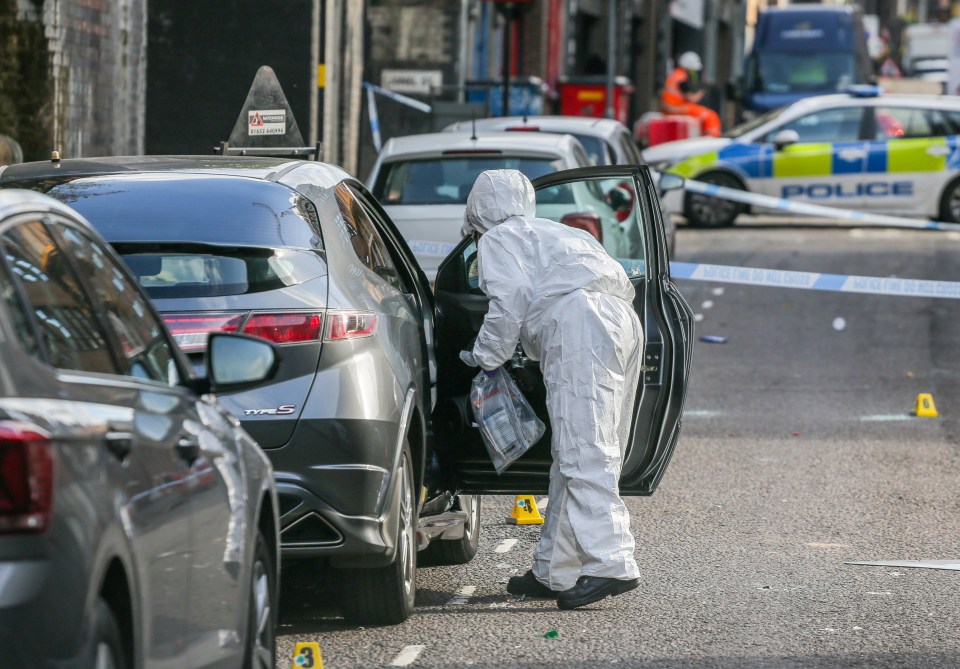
(618, 205)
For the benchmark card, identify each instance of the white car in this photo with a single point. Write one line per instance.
(866, 151)
(607, 141)
(422, 182)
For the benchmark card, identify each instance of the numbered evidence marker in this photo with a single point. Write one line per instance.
(307, 656)
(525, 512)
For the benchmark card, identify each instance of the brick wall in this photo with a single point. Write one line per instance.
(97, 74)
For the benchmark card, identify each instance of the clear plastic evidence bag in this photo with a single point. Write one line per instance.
(507, 423)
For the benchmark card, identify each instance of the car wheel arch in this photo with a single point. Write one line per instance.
(942, 212)
(725, 170)
(115, 590)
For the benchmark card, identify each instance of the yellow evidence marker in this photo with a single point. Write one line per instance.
(307, 656)
(925, 406)
(525, 512)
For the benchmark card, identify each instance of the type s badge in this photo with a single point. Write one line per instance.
(282, 410)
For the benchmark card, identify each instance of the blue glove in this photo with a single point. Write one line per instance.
(468, 358)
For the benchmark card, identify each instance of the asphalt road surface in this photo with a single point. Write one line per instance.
(798, 454)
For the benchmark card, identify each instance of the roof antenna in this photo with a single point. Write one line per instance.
(473, 123)
(524, 118)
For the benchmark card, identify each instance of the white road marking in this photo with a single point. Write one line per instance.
(407, 656)
(717, 291)
(707, 304)
(700, 413)
(505, 545)
(885, 418)
(698, 317)
(542, 504)
(839, 324)
(951, 565)
(462, 596)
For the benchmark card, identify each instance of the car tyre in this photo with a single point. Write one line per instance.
(462, 550)
(261, 641)
(108, 645)
(950, 203)
(704, 211)
(386, 595)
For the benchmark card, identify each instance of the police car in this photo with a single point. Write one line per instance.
(866, 151)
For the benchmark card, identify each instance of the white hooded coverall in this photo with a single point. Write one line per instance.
(569, 303)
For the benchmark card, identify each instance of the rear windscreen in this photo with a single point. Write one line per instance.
(193, 208)
(448, 180)
(192, 271)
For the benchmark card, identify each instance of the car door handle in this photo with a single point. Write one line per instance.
(188, 448)
(648, 368)
(119, 443)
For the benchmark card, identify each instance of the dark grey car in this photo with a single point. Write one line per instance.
(298, 253)
(138, 521)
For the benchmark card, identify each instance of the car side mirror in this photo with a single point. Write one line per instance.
(785, 138)
(670, 181)
(235, 361)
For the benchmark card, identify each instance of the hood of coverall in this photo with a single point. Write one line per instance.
(497, 196)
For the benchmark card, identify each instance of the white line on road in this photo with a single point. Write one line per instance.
(707, 304)
(700, 413)
(407, 656)
(885, 418)
(461, 597)
(505, 545)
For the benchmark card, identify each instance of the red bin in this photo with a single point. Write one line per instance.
(587, 96)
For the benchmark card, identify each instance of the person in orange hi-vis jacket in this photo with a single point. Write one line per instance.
(683, 91)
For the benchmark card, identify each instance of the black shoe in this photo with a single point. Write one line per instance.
(529, 585)
(590, 589)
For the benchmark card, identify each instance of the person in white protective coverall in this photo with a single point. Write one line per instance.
(557, 291)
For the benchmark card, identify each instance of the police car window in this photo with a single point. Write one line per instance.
(902, 122)
(364, 238)
(953, 118)
(607, 209)
(146, 351)
(841, 124)
(66, 317)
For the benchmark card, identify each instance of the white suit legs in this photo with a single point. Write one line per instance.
(590, 362)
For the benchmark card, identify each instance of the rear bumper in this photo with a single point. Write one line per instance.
(35, 628)
(337, 491)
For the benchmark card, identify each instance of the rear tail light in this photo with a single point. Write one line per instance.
(190, 331)
(587, 222)
(26, 478)
(350, 324)
(285, 328)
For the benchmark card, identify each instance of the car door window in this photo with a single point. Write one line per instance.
(146, 351)
(841, 124)
(71, 333)
(19, 320)
(903, 122)
(366, 242)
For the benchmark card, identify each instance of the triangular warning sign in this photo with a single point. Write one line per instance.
(266, 107)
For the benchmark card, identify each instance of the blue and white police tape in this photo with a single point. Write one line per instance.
(840, 283)
(374, 119)
(397, 97)
(805, 209)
